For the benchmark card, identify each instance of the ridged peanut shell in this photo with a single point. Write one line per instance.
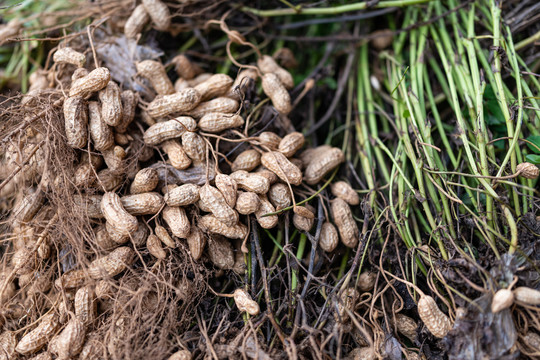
(243, 81)
(502, 299)
(347, 300)
(196, 242)
(312, 153)
(166, 130)
(111, 104)
(177, 156)
(291, 143)
(155, 72)
(228, 188)
(266, 222)
(177, 220)
(136, 21)
(116, 215)
(366, 281)
(528, 170)
(104, 240)
(246, 160)
(39, 336)
(322, 165)
(270, 139)
(252, 182)
(211, 224)
(143, 204)
(268, 65)
(194, 146)
(406, 326)
(435, 320)
(344, 191)
(159, 13)
(304, 223)
(280, 196)
(85, 305)
(182, 195)
(76, 121)
(164, 237)
(96, 80)
(218, 105)
(109, 179)
(71, 279)
(216, 85)
(244, 302)
(347, 227)
(218, 205)
(282, 167)
(68, 55)
(179, 102)
(329, 237)
(220, 252)
(277, 93)
(112, 264)
(70, 341)
(129, 105)
(247, 202)
(145, 180)
(216, 122)
(185, 68)
(100, 133)
(153, 244)
(527, 295)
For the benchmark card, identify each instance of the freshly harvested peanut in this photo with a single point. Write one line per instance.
(68, 55)
(218, 105)
(270, 176)
(280, 196)
(70, 280)
(322, 165)
(96, 80)
(199, 79)
(194, 146)
(527, 170)
(216, 122)
(37, 338)
(166, 130)
(182, 195)
(100, 132)
(211, 224)
(25, 210)
(181, 84)
(312, 153)
(23, 260)
(136, 21)
(180, 355)
(502, 299)
(406, 326)
(435, 320)
(527, 295)
(277, 93)
(143, 204)
(203, 206)
(269, 139)
(116, 215)
(177, 156)
(153, 244)
(112, 264)
(104, 240)
(71, 340)
(138, 238)
(347, 300)
(114, 158)
(241, 82)
(291, 143)
(218, 205)
(348, 230)
(307, 211)
(220, 252)
(244, 302)
(164, 237)
(42, 356)
(216, 85)
(268, 65)
(177, 220)
(103, 289)
(285, 57)
(246, 160)
(297, 162)
(182, 101)
(129, 104)
(228, 187)
(302, 222)
(145, 180)
(251, 181)
(532, 340)
(247, 203)
(344, 191)
(79, 73)
(85, 305)
(196, 242)
(76, 121)
(116, 235)
(109, 179)
(122, 139)
(8, 341)
(84, 175)
(185, 68)
(111, 104)
(282, 167)
(366, 281)
(266, 222)
(155, 72)
(159, 13)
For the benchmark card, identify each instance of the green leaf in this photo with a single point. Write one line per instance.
(534, 159)
(536, 141)
(406, 114)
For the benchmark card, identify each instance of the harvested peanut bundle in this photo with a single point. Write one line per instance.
(136, 21)
(68, 55)
(435, 320)
(244, 302)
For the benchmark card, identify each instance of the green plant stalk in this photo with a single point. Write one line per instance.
(343, 264)
(299, 255)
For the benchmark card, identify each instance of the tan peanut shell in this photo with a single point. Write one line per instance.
(114, 158)
(182, 195)
(116, 215)
(177, 220)
(216, 122)
(247, 203)
(129, 105)
(329, 237)
(194, 146)
(68, 55)
(71, 340)
(199, 79)
(23, 261)
(280, 196)
(216, 85)
(344, 191)
(220, 252)
(76, 121)
(211, 224)
(103, 289)
(241, 83)
(196, 242)
(285, 57)
(252, 182)
(217, 204)
(203, 206)
(145, 180)
(143, 204)
(138, 238)
(270, 139)
(268, 65)
(109, 179)
(322, 165)
(100, 133)
(70, 280)
(122, 139)
(8, 341)
(25, 210)
(291, 143)
(246, 160)
(244, 302)
(180, 355)
(312, 153)
(153, 244)
(136, 21)
(177, 156)
(347, 300)
(159, 13)
(179, 102)
(155, 72)
(104, 240)
(532, 340)
(218, 105)
(406, 326)
(96, 80)
(528, 170)
(435, 320)
(297, 162)
(164, 237)
(527, 295)
(37, 338)
(162, 131)
(79, 73)
(111, 104)
(84, 176)
(185, 68)
(120, 237)
(42, 356)
(502, 299)
(277, 93)
(366, 281)
(282, 167)
(180, 84)
(304, 220)
(228, 188)
(348, 230)
(266, 222)
(112, 264)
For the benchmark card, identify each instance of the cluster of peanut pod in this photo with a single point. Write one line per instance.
(149, 181)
